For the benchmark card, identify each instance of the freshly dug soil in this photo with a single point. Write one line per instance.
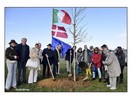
(64, 83)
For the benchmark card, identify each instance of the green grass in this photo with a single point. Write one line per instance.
(95, 86)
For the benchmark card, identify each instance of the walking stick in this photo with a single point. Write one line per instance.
(59, 67)
(50, 68)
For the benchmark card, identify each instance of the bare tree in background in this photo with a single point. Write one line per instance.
(78, 30)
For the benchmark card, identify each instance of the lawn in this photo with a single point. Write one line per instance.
(70, 85)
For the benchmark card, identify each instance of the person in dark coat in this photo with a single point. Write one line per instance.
(69, 59)
(23, 53)
(56, 60)
(87, 54)
(11, 63)
(78, 60)
(121, 57)
(103, 58)
(47, 52)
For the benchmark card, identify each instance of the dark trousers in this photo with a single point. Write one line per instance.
(21, 70)
(55, 69)
(56, 65)
(44, 70)
(121, 75)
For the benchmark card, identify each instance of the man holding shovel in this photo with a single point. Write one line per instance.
(47, 60)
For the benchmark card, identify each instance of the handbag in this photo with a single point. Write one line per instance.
(32, 63)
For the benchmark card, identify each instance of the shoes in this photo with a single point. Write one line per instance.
(106, 80)
(100, 80)
(54, 79)
(85, 78)
(113, 88)
(7, 90)
(18, 83)
(70, 75)
(14, 87)
(108, 85)
(93, 79)
(58, 73)
(24, 81)
(121, 82)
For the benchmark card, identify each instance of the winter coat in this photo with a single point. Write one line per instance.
(67, 55)
(50, 54)
(96, 59)
(79, 57)
(10, 54)
(89, 55)
(121, 58)
(19, 51)
(34, 56)
(40, 56)
(113, 65)
(56, 57)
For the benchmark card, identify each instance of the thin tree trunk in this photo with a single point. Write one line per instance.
(74, 43)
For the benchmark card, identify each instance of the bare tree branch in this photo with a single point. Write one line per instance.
(78, 31)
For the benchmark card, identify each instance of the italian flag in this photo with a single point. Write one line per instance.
(59, 31)
(62, 15)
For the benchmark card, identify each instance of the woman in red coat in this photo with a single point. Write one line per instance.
(96, 63)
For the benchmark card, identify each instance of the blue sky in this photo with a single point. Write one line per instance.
(104, 25)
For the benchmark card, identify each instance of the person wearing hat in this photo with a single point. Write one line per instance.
(47, 53)
(11, 63)
(113, 68)
(23, 53)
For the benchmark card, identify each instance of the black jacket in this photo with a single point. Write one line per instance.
(67, 56)
(49, 52)
(10, 53)
(121, 58)
(19, 51)
(56, 58)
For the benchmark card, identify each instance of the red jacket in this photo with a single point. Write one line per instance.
(96, 59)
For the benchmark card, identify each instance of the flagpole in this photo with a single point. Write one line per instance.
(74, 47)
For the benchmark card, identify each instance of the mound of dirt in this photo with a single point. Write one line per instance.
(64, 83)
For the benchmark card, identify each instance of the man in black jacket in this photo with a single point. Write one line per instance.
(69, 59)
(47, 53)
(23, 53)
(121, 57)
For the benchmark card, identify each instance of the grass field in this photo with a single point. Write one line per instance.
(94, 86)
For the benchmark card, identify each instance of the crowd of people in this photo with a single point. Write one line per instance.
(104, 63)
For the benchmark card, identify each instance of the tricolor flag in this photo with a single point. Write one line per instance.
(62, 15)
(59, 31)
